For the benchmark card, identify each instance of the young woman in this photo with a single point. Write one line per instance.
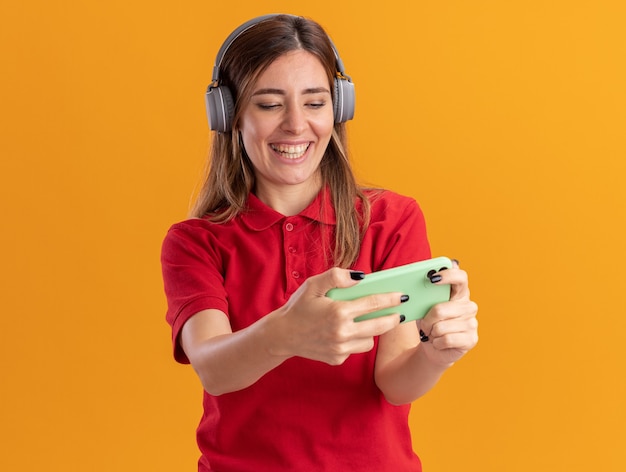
(292, 382)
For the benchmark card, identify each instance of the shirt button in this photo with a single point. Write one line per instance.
(289, 227)
(295, 274)
(292, 249)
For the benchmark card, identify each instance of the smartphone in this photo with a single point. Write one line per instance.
(410, 279)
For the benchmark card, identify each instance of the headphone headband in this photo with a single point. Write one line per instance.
(231, 38)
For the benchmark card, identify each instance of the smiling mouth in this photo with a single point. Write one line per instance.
(291, 151)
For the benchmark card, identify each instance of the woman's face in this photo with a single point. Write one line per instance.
(287, 124)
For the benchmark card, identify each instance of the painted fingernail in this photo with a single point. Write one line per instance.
(435, 278)
(402, 318)
(404, 298)
(357, 275)
(423, 336)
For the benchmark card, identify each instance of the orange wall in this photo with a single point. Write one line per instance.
(506, 120)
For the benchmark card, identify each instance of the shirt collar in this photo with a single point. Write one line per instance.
(258, 216)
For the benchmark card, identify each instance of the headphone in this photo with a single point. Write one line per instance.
(220, 105)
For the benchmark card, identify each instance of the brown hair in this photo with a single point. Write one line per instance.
(230, 176)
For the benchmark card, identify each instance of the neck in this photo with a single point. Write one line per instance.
(288, 201)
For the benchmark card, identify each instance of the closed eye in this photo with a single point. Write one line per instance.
(268, 106)
(318, 95)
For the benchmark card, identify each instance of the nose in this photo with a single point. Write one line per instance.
(294, 120)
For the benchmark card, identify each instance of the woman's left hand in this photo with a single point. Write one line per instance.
(450, 329)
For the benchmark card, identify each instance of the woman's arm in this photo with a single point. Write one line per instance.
(309, 325)
(227, 361)
(407, 368)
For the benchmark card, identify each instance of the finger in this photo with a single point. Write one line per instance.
(372, 303)
(462, 341)
(334, 278)
(461, 310)
(454, 326)
(377, 326)
(452, 335)
(456, 278)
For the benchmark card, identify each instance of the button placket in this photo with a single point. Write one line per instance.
(294, 264)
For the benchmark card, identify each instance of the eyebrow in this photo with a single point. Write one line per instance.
(272, 91)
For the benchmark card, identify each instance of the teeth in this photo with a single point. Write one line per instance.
(291, 152)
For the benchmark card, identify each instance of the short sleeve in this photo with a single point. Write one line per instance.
(192, 277)
(397, 232)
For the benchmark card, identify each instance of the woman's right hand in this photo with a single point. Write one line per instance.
(313, 326)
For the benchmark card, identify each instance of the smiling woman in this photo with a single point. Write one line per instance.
(291, 381)
(243, 57)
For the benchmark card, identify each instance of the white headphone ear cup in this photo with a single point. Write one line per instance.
(344, 100)
(220, 108)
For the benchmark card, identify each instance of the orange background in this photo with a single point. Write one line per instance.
(506, 121)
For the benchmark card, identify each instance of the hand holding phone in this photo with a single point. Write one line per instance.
(410, 279)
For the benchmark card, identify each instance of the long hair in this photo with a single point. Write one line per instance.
(229, 177)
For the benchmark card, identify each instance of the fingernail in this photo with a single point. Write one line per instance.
(357, 275)
(404, 298)
(402, 318)
(423, 336)
(435, 278)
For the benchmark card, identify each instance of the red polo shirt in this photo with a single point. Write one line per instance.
(303, 415)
